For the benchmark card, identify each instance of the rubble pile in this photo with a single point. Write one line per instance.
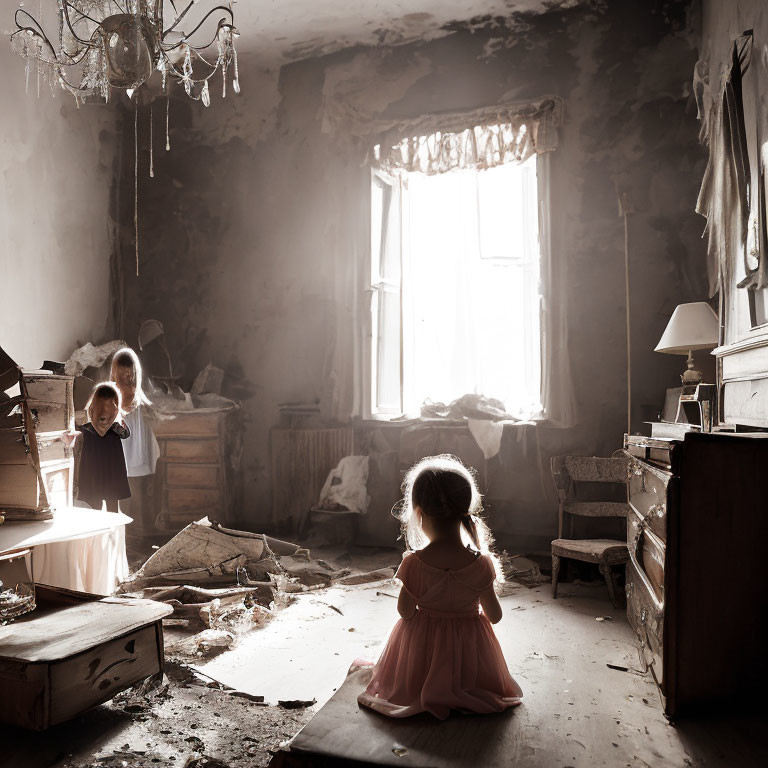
(222, 583)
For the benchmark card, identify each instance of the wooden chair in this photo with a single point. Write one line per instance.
(567, 471)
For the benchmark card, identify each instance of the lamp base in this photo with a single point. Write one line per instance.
(690, 375)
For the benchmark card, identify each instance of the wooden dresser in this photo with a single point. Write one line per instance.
(696, 531)
(195, 476)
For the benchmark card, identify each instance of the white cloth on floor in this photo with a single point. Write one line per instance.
(141, 449)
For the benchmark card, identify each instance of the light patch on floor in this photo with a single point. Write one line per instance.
(305, 652)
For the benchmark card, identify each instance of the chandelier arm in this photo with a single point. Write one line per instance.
(178, 18)
(214, 67)
(55, 62)
(180, 75)
(197, 48)
(194, 48)
(205, 18)
(72, 87)
(80, 40)
(82, 15)
(37, 32)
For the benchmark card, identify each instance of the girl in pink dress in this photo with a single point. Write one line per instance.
(443, 654)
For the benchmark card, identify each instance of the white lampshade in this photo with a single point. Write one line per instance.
(692, 326)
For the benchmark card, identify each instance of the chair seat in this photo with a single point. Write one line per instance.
(607, 551)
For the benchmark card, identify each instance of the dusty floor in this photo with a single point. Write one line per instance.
(557, 650)
(188, 725)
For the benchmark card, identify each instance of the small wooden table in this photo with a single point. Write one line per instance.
(67, 524)
(68, 563)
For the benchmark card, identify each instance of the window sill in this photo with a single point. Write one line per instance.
(399, 421)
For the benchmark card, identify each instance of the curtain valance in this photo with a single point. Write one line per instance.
(480, 139)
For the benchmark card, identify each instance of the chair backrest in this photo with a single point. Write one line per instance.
(568, 470)
(593, 469)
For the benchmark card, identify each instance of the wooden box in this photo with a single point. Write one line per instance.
(74, 652)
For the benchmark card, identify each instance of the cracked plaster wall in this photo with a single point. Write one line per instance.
(56, 166)
(249, 219)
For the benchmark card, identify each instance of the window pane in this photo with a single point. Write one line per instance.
(377, 207)
(503, 210)
(473, 315)
(388, 353)
(389, 261)
(385, 230)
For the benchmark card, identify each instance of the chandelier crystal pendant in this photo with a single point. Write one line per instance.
(104, 44)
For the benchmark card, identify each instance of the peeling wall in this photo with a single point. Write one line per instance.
(303, 29)
(56, 165)
(251, 218)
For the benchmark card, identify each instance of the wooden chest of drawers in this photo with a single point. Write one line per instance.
(696, 533)
(199, 452)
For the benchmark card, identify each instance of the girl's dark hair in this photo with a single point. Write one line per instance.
(445, 495)
(106, 390)
(444, 489)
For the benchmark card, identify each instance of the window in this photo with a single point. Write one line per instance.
(454, 289)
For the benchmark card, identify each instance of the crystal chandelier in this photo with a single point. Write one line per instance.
(104, 44)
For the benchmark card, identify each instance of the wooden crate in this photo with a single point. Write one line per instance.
(50, 398)
(36, 466)
(74, 652)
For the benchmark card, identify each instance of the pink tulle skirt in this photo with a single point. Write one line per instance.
(435, 662)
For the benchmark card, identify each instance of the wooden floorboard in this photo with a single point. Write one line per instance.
(577, 711)
(350, 735)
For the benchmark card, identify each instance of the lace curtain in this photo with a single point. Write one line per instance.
(478, 140)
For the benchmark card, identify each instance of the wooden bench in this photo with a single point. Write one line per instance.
(345, 734)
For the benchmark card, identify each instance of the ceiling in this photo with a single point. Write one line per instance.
(279, 31)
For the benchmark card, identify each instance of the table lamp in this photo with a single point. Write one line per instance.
(692, 326)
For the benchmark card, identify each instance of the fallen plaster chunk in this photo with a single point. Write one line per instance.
(213, 641)
(89, 356)
(199, 546)
(522, 570)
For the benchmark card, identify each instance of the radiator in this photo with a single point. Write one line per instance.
(301, 461)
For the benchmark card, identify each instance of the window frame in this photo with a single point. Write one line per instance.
(377, 284)
(371, 289)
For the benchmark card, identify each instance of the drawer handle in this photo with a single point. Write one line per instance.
(634, 468)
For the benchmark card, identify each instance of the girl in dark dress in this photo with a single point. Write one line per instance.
(102, 476)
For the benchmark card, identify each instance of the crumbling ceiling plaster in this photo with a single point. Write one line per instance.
(279, 31)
